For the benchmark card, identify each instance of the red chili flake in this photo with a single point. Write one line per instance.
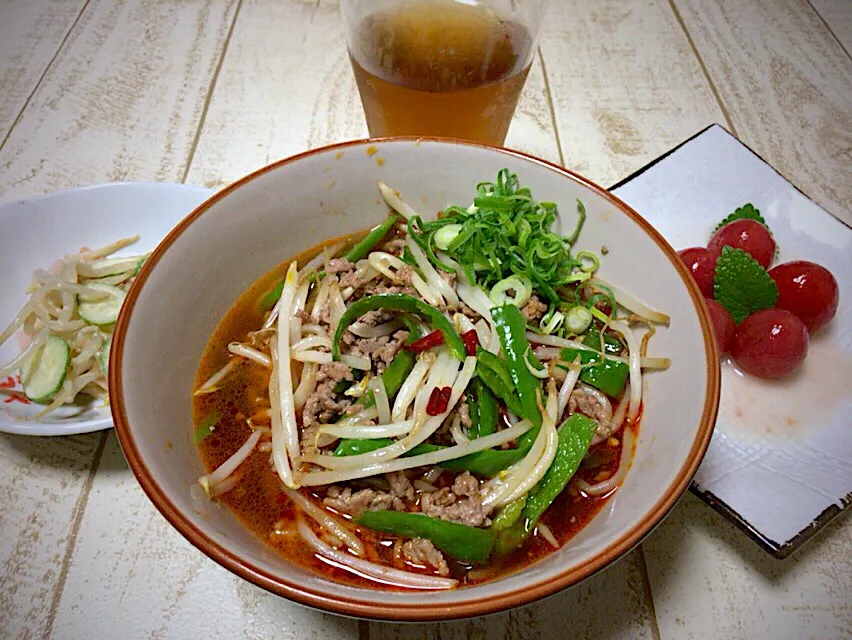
(471, 341)
(16, 398)
(434, 339)
(438, 401)
(280, 498)
(8, 383)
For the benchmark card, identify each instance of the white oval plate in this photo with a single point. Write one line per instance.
(37, 231)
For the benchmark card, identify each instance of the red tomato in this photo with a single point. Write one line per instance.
(748, 235)
(702, 265)
(771, 343)
(724, 327)
(808, 290)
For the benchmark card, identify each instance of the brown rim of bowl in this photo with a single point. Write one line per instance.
(421, 612)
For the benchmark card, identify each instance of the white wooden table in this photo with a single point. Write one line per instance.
(203, 91)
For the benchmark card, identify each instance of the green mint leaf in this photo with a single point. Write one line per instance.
(741, 285)
(745, 212)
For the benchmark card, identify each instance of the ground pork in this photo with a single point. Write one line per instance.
(354, 504)
(449, 277)
(323, 404)
(261, 337)
(533, 310)
(380, 350)
(400, 485)
(420, 551)
(340, 265)
(375, 317)
(464, 413)
(459, 504)
(352, 279)
(593, 404)
(393, 246)
(383, 286)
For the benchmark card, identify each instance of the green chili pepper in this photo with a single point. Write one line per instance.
(483, 409)
(368, 242)
(488, 363)
(510, 399)
(355, 446)
(399, 302)
(609, 376)
(396, 372)
(511, 328)
(575, 437)
(268, 301)
(487, 463)
(468, 544)
(509, 514)
(355, 253)
(611, 344)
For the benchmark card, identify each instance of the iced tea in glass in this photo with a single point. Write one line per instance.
(451, 68)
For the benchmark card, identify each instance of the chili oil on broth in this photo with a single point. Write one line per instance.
(257, 500)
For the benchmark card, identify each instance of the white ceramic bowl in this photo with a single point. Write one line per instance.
(196, 274)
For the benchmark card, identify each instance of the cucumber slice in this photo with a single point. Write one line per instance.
(112, 266)
(104, 359)
(103, 311)
(43, 376)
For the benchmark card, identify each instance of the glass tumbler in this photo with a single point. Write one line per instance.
(452, 68)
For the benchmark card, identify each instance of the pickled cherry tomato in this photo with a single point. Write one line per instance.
(808, 290)
(770, 343)
(723, 326)
(748, 235)
(702, 265)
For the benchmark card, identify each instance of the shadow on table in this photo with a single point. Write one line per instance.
(75, 453)
(69, 452)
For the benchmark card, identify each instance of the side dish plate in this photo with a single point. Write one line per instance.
(778, 464)
(37, 231)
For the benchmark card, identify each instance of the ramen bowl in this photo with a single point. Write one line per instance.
(197, 273)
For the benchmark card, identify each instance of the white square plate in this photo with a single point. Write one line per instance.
(780, 462)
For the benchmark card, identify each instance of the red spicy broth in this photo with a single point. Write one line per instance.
(259, 503)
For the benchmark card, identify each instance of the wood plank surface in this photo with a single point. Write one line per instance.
(44, 483)
(626, 86)
(609, 605)
(286, 85)
(30, 36)
(122, 100)
(709, 581)
(787, 85)
(135, 92)
(133, 573)
(838, 16)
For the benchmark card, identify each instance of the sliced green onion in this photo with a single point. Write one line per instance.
(588, 261)
(550, 323)
(520, 285)
(579, 318)
(600, 315)
(445, 235)
(578, 276)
